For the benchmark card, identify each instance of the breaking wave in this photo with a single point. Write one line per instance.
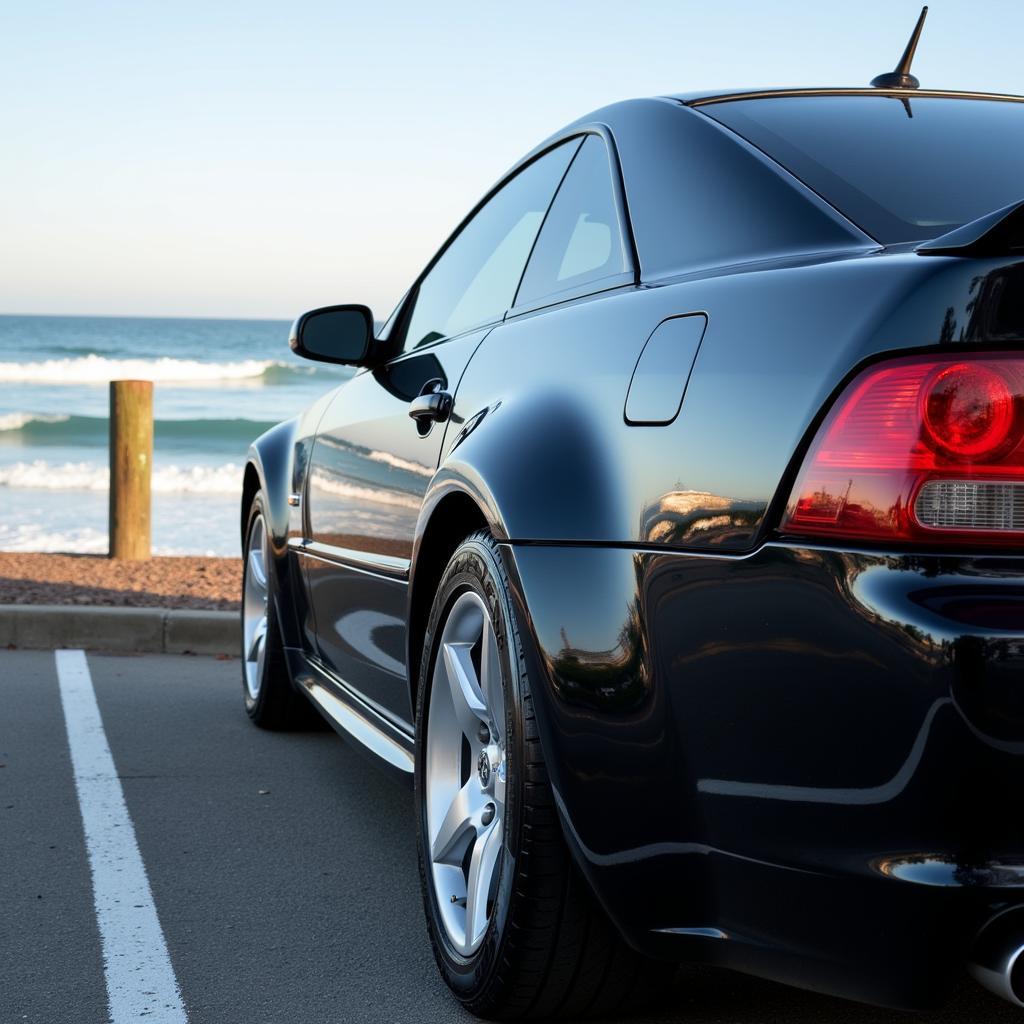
(42, 428)
(94, 369)
(86, 476)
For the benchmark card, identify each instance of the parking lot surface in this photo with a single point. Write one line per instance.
(282, 869)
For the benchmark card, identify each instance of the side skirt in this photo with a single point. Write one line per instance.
(351, 716)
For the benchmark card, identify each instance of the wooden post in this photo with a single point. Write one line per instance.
(131, 463)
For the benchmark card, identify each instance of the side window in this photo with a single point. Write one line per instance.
(474, 281)
(581, 241)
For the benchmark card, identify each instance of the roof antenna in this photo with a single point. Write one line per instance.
(901, 78)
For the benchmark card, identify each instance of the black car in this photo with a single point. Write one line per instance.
(670, 538)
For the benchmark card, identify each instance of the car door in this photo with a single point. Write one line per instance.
(372, 461)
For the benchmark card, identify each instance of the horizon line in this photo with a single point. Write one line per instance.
(147, 316)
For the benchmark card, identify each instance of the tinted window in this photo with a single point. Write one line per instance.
(902, 172)
(475, 279)
(580, 243)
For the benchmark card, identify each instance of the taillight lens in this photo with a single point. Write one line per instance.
(919, 449)
(967, 409)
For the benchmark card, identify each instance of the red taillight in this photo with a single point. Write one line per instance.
(916, 449)
(968, 409)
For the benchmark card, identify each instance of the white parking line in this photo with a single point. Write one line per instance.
(140, 978)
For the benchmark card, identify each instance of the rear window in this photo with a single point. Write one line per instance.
(902, 171)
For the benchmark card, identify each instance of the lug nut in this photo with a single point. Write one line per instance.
(488, 816)
(484, 734)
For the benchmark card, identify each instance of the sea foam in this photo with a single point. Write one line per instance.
(82, 540)
(87, 476)
(85, 540)
(94, 369)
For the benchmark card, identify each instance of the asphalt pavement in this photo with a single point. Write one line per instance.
(282, 868)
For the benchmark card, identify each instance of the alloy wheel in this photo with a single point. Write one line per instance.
(254, 607)
(465, 772)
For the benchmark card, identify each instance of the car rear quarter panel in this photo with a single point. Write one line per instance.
(804, 762)
(748, 738)
(539, 430)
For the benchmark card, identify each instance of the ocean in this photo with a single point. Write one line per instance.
(218, 384)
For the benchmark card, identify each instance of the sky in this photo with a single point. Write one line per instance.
(257, 159)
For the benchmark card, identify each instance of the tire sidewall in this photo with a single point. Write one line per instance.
(474, 567)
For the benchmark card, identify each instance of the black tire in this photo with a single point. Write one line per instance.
(277, 705)
(549, 949)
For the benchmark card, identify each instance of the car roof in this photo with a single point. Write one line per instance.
(698, 99)
(649, 138)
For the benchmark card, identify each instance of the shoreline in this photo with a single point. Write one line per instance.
(196, 583)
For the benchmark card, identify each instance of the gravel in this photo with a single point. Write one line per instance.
(198, 583)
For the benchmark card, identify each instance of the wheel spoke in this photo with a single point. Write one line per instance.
(256, 567)
(265, 560)
(261, 654)
(468, 701)
(500, 782)
(258, 635)
(478, 883)
(460, 820)
(490, 672)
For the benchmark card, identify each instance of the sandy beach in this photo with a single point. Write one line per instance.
(163, 582)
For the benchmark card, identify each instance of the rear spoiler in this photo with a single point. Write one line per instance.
(996, 234)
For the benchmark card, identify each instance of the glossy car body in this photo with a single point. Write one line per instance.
(803, 760)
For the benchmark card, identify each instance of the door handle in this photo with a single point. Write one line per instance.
(435, 407)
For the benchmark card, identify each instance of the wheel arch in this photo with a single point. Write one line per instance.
(450, 514)
(470, 493)
(535, 472)
(269, 469)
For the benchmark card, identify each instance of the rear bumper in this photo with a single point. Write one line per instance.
(805, 763)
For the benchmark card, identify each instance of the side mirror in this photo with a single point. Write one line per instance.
(334, 334)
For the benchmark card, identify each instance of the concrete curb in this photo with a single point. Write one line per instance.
(129, 630)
